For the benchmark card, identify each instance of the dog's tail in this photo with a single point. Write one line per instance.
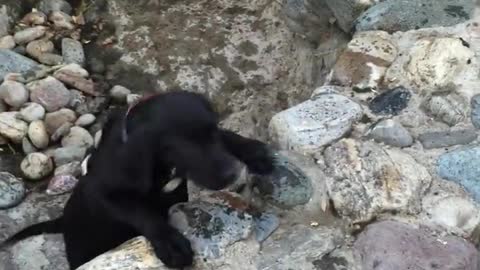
(50, 226)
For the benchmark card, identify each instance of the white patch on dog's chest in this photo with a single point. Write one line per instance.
(84, 165)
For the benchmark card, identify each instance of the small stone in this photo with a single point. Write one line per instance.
(392, 133)
(77, 82)
(78, 98)
(38, 47)
(12, 128)
(65, 155)
(12, 190)
(31, 111)
(462, 166)
(440, 139)
(34, 18)
(13, 93)
(12, 62)
(27, 146)
(36, 166)
(79, 137)
(29, 34)
(93, 105)
(55, 120)
(47, 6)
(391, 102)
(475, 112)
(73, 168)
(72, 51)
(120, 93)
(61, 20)
(50, 93)
(133, 98)
(7, 42)
(50, 59)
(37, 134)
(74, 70)
(85, 120)
(451, 109)
(390, 245)
(61, 184)
(61, 132)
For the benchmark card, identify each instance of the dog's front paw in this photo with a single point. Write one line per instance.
(173, 249)
(259, 159)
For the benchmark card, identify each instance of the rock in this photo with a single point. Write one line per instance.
(47, 6)
(12, 128)
(85, 120)
(78, 82)
(393, 245)
(34, 18)
(50, 59)
(74, 70)
(363, 64)
(10, 11)
(65, 155)
(37, 132)
(54, 120)
(298, 247)
(62, 131)
(12, 190)
(392, 133)
(451, 109)
(440, 139)
(367, 180)
(72, 51)
(133, 98)
(50, 93)
(72, 168)
(120, 93)
(475, 112)
(391, 101)
(314, 123)
(11, 62)
(13, 93)
(462, 166)
(36, 166)
(7, 42)
(346, 11)
(39, 47)
(97, 137)
(404, 15)
(265, 225)
(31, 111)
(61, 184)
(78, 137)
(93, 105)
(27, 146)
(61, 20)
(29, 34)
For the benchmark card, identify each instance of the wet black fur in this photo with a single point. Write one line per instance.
(121, 197)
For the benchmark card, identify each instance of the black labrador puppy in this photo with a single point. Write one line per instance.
(163, 137)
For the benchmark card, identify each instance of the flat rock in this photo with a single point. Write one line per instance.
(29, 34)
(392, 245)
(367, 179)
(12, 128)
(314, 123)
(72, 168)
(391, 102)
(61, 184)
(12, 190)
(65, 155)
(12, 62)
(440, 139)
(31, 111)
(50, 93)
(392, 133)
(72, 51)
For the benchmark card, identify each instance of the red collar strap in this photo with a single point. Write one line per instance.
(140, 100)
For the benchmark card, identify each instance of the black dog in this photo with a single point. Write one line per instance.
(169, 135)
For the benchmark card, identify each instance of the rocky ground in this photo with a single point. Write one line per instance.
(372, 107)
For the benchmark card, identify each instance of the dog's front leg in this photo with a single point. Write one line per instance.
(255, 154)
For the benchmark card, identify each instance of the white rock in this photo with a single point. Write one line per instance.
(37, 132)
(97, 138)
(120, 93)
(79, 137)
(12, 128)
(31, 111)
(13, 93)
(29, 34)
(73, 69)
(36, 166)
(7, 42)
(314, 123)
(132, 98)
(85, 120)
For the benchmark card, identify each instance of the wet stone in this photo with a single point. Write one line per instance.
(391, 102)
(440, 139)
(12, 190)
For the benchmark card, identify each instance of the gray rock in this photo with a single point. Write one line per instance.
(31, 111)
(74, 70)
(11, 127)
(37, 133)
(13, 93)
(65, 155)
(50, 59)
(120, 93)
(314, 123)
(11, 62)
(7, 42)
(447, 138)
(475, 112)
(462, 166)
(12, 190)
(392, 245)
(72, 51)
(10, 11)
(346, 11)
(392, 133)
(404, 15)
(133, 98)
(39, 47)
(61, 20)
(27, 146)
(85, 120)
(265, 225)
(92, 105)
(36, 166)
(10, 162)
(73, 168)
(55, 120)
(29, 34)
(79, 137)
(61, 131)
(50, 93)
(47, 6)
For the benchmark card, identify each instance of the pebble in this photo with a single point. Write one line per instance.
(12, 128)
(7, 42)
(133, 98)
(37, 133)
(29, 34)
(440, 139)
(74, 70)
(47, 6)
(85, 120)
(36, 166)
(314, 123)
(61, 20)
(13, 93)
(50, 93)
(391, 102)
(54, 120)
(120, 93)
(39, 47)
(72, 51)
(462, 166)
(79, 137)
(12, 190)
(12, 62)
(392, 133)
(31, 111)
(34, 18)
(390, 245)
(449, 109)
(27, 146)
(65, 155)
(62, 131)
(475, 112)
(61, 184)
(50, 59)
(93, 105)
(73, 168)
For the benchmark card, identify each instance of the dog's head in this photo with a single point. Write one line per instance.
(184, 134)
